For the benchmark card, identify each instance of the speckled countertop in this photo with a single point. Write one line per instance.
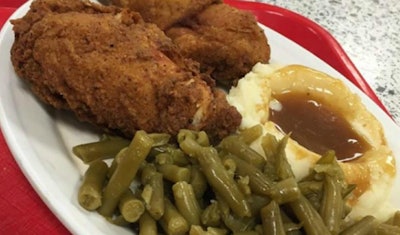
(369, 32)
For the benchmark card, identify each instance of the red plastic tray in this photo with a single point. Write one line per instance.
(23, 212)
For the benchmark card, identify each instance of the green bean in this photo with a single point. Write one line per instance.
(223, 206)
(153, 191)
(258, 229)
(164, 158)
(198, 181)
(361, 227)
(270, 171)
(239, 224)
(232, 221)
(199, 136)
(102, 149)
(235, 145)
(243, 184)
(211, 215)
(249, 135)
(174, 173)
(172, 221)
(230, 166)
(246, 233)
(118, 220)
(270, 146)
(346, 192)
(125, 172)
(155, 150)
(294, 232)
(198, 230)
(202, 139)
(179, 157)
(285, 191)
(259, 183)
(159, 138)
(147, 225)
(257, 202)
(188, 145)
(217, 176)
(115, 162)
(186, 202)
(315, 200)
(346, 209)
(290, 226)
(148, 171)
(396, 219)
(329, 157)
(312, 190)
(328, 164)
(216, 231)
(282, 192)
(310, 187)
(332, 205)
(272, 220)
(386, 229)
(131, 207)
(246, 188)
(177, 154)
(284, 170)
(90, 191)
(312, 221)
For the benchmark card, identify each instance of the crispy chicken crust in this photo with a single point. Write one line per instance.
(227, 42)
(165, 13)
(112, 69)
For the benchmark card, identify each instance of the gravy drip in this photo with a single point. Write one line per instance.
(317, 127)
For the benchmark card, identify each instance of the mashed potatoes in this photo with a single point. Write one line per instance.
(373, 171)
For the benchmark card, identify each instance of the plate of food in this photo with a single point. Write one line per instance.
(79, 69)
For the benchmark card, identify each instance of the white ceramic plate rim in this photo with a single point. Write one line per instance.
(41, 139)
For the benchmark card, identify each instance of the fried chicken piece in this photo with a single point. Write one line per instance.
(225, 40)
(115, 71)
(165, 13)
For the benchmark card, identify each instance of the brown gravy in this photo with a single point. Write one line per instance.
(317, 127)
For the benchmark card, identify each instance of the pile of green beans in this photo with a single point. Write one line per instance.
(156, 184)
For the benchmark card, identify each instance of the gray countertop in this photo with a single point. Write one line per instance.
(369, 32)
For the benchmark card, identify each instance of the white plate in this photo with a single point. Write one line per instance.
(41, 141)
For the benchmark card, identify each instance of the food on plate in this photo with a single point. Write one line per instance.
(165, 13)
(265, 176)
(226, 41)
(364, 156)
(115, 71)
(240, 194)
(91, 190)
(279, 170)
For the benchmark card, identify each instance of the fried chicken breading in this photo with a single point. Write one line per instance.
(165, 13)
(225, 40)
(114, 70)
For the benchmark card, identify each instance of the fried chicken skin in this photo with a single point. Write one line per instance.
(226, 41)
(165, 13)
(112, 69)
